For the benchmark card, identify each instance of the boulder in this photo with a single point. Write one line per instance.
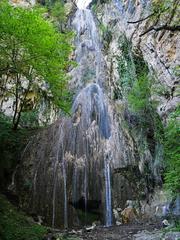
(129, 215)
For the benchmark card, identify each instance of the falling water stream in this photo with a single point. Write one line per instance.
(72, 164)
(108, 193)
(55, 168)
(90, 48)
(65, 194)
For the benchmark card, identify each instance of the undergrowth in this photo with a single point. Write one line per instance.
(15, 225)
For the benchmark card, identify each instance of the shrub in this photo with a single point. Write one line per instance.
(16, 225)
(172, 153)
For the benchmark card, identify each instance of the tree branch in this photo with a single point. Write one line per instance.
(141, 20)
(163, 27)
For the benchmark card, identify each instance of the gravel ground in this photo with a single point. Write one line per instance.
(123, 232)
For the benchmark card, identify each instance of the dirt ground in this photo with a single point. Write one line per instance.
(123, 232)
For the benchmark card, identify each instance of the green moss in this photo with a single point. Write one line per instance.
(16, 225)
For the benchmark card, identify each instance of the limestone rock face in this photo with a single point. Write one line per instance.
(100, 155)
(89, 157)
(161, 50)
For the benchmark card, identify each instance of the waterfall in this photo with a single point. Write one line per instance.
(83, 4)
(12, 185)
(108, 201)
(176, 210)
(71, 172)
(158, 162)
(72, 165)
(65, 194)
(74, 181)
(54, 194)
(85, 188)
(64, 180)
(88, 50)
(55, 168)
(88, 53)
(119, 6)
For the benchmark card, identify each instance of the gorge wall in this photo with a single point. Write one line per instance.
(159, 49)
(82, 167)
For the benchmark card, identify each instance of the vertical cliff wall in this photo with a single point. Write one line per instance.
(82, 167)
(159, 49)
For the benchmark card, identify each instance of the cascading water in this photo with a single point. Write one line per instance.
(65, 194)
(55, 169)
(66, 172)
(107, 174)
(119, 6)
(176, 210)
(85, 188)
(83, 4)
(90, 50)
(73, 178)
(94, 112)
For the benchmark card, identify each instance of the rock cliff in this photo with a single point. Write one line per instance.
(82, 167)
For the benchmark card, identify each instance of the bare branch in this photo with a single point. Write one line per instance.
(163, 27)
(141, 20)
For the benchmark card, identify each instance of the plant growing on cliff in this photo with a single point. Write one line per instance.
(131, 65)
(126, 66)
(141, 103)
(139, 96)
(32, 52)
(57, 11)
(172, 153)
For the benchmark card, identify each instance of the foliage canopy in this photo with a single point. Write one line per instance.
(32, 51)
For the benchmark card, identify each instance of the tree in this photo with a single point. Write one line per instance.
(57, 10)
(32, 53)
